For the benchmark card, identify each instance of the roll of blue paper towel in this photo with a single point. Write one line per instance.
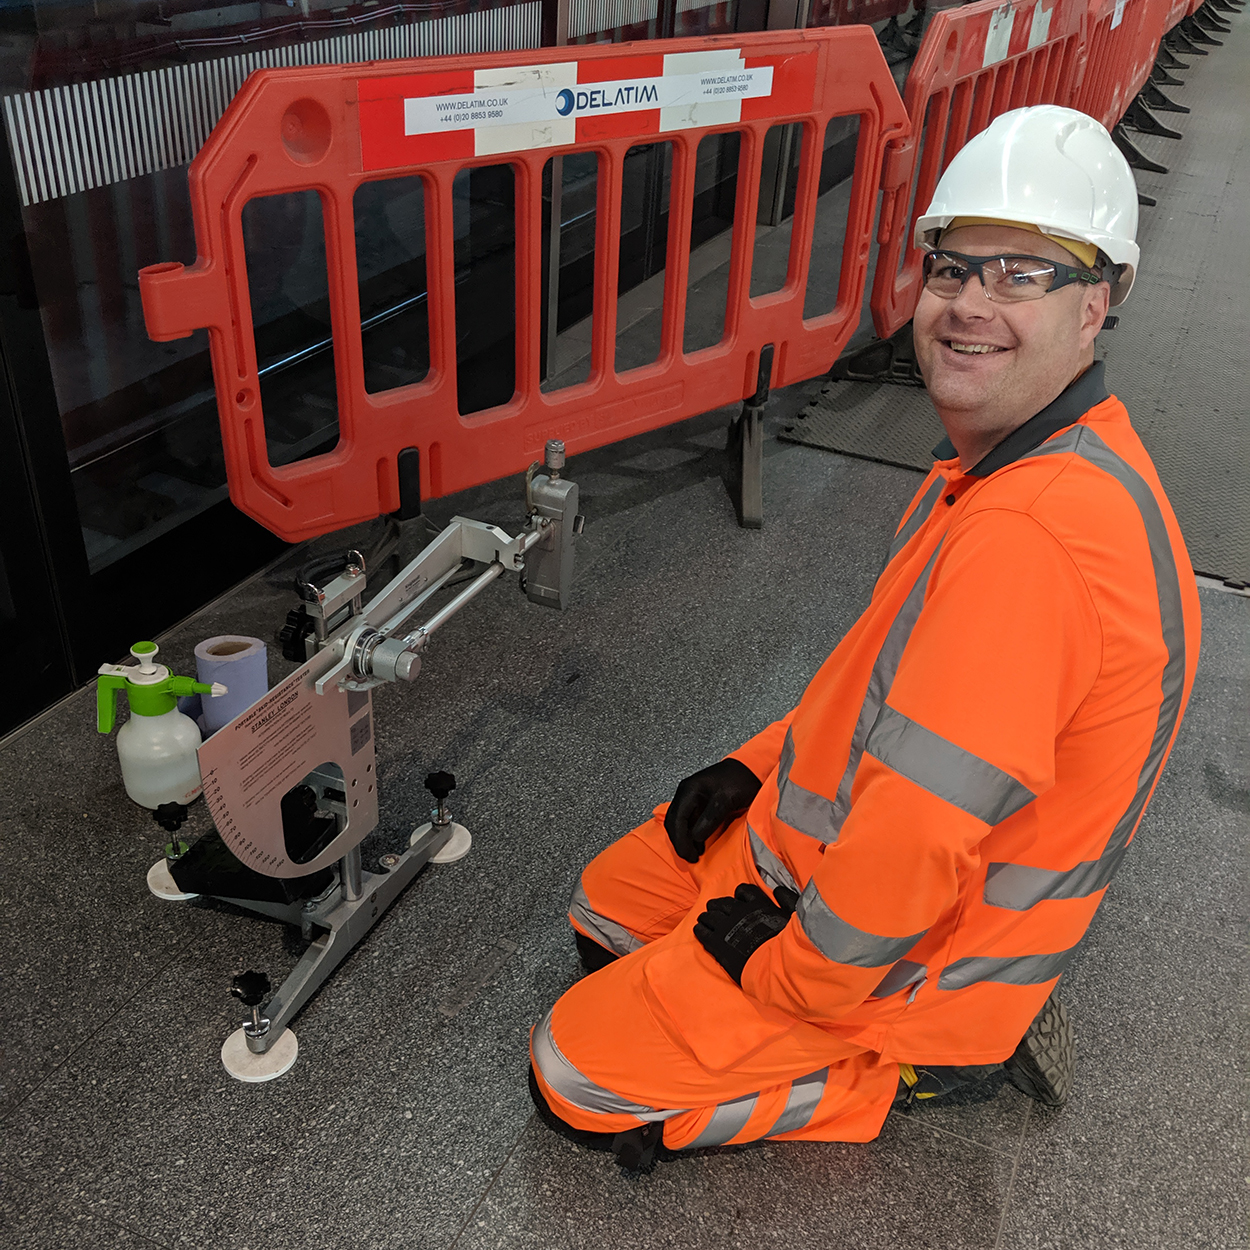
(240, 664)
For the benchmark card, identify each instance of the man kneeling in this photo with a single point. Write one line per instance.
(875, 897)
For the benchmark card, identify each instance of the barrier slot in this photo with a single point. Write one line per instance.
(485, 214)
(713, 211)
(642, 275)
(389, 220)
(284, 240)
(834, 233)
(577, 219)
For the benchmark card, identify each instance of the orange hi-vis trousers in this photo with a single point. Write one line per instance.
(665, 1034)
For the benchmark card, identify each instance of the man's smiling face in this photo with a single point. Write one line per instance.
(991, 366)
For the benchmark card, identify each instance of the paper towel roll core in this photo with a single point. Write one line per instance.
(239, 663)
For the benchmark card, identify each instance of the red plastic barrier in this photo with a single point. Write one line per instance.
(1121, 46)
(975, 63)
(330, 129)
(1177, 11)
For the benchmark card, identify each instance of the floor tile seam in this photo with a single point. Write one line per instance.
(86, 1041)
(23, 1182)
(968, 1141)
(1015, 1172)
(451, 1245)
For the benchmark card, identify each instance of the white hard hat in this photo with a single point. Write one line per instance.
(1049, 167)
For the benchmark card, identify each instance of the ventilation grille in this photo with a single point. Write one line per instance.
(70, 139)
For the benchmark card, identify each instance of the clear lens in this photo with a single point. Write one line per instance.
(1018, 277)
(1007, 279)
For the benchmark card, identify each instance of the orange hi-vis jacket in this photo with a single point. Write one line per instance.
(964, 773)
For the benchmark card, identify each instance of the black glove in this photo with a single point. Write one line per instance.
(733, 929)
(705, 803)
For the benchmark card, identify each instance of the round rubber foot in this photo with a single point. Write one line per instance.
(456, 847)
(161, 882)
(243, 1065)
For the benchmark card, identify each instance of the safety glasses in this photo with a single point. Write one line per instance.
(1005, 279)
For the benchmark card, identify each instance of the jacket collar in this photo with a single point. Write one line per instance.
(1080, 396)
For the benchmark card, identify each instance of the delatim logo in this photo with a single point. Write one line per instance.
(610, 96)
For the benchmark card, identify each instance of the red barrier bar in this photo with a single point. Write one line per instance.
(975, 63)
(1121, 46)
(330, 129)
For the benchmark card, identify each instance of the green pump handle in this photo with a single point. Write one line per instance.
(106, 689)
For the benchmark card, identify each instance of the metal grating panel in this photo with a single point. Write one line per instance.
(70, 139)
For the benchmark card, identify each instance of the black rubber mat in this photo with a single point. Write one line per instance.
(1180, 356)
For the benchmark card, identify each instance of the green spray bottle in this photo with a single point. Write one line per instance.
(157, 745)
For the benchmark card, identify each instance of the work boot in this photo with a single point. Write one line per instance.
(1044, 1063)
(636, 1150)
(1041, 1066)
(592, 954)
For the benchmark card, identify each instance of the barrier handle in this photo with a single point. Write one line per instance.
(177, 300)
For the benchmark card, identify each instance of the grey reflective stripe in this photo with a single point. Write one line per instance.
(903, 974)
(879, 682)
(770, 868)
(811, 813)
(1019, 886)
(728, 1120)
(802, 809)
(935, 764)
(582, 1092)
(918, 516)
(1011, 970)
(844, 943)
(604, 931)
(805, 1096)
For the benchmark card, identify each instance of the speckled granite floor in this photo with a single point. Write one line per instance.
(406, 1122)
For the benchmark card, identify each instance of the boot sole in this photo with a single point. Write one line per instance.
(1043, 1064)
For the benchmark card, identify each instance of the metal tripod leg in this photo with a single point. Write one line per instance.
(346, 922)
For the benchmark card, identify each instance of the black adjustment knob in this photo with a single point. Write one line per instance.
(293, 635)
(440, 785)
(170, 816)
(250, 988)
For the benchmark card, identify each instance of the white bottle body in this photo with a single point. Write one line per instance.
(158, 759)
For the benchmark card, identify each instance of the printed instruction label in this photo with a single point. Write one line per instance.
(251, 763)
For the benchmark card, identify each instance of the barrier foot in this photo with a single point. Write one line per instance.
(1223, 6)
(1166, 60)
(1178, 43)
(746, 447)
(883, 360)
(1148, 200)
(1208, 21)
(1160, 76)
(1152, 96)
(1195, 34)
(1133, 154)
(1141, 118)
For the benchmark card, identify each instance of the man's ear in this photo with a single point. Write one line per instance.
(1094, 309)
